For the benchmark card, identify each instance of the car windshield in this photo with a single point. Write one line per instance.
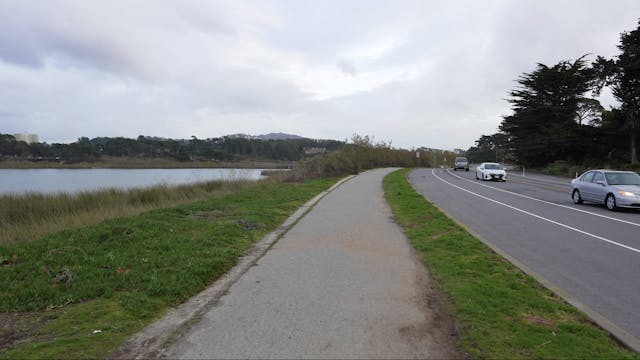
(461, 160)
(622, 178)
(493, 166)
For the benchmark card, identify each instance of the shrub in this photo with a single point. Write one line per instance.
(558, 168)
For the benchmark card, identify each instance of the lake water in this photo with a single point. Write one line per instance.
(74, 180)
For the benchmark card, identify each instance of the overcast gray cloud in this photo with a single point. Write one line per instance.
(417, 73)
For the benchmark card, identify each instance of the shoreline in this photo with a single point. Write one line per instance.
(132, 163)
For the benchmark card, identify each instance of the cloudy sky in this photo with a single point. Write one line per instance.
(416, 73)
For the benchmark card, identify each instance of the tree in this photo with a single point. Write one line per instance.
(489, 148)
(623, 76)
(612, 147)
(549, 100)
(8, 145)
(589, 112)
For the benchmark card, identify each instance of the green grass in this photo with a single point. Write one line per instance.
(29, 216)
(88, 330)
(502, 312)
(118, 275)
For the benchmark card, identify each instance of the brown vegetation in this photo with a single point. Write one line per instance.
(363, 154)
(30, 216)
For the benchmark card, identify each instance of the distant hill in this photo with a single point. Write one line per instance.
(270, 136)
(278, 136)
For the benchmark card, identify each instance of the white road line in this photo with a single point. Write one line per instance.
(539, 179)
(538, 216)
(547, 202)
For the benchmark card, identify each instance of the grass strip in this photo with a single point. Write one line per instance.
(82, 292)
(29, 216)
(501, 311)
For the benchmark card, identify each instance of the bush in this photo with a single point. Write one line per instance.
(576, 170)
(558, 168)
(631, 167)
(363, 154)
(566, 169)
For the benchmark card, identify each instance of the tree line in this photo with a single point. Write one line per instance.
(216, 149)
(556, 114)
(335, 158)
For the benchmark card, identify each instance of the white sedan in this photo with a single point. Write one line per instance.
(491, 171)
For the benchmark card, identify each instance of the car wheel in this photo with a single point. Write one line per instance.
(454, 169)
(577, 199)
(610, 202)
(466, 169)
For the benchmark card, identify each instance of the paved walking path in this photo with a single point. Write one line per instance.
(342, 283)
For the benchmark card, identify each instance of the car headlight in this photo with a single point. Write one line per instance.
(626, 193)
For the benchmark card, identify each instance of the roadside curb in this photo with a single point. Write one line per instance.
(616, 332)
(152, 341)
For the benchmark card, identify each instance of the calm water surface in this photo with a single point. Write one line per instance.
(74, 180)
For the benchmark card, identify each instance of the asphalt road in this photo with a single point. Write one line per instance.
(587, 251)
(342, 283)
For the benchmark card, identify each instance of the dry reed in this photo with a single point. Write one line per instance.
(33, 215)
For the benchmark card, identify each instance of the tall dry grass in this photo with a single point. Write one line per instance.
(33, 215)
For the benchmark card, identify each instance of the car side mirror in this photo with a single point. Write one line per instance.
(600, 182)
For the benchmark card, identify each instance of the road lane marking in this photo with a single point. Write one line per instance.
(539, 179)
(537, 184)
(547, 202)
(433, 171)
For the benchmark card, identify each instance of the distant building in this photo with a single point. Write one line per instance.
(430, 150)
(26, 137)
(440, 151)
(240, 136)
(315, 150)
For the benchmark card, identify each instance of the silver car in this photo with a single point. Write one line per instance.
(461, 163)
(613, 188)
